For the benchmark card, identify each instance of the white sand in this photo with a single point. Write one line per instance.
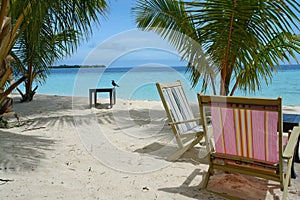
(65, 150)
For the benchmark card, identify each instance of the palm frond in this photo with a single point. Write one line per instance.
(244, 40)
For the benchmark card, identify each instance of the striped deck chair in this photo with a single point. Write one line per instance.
(247, 138)
(185, 126)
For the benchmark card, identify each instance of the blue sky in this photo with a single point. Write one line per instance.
(116, 41)
(117, 33)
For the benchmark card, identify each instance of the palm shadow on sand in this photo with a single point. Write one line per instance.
(19, 152)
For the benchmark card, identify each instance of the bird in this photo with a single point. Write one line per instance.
(114, 83)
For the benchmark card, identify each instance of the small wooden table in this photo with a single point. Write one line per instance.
(111, 91)
(289, 121)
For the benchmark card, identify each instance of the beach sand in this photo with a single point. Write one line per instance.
(65, 150)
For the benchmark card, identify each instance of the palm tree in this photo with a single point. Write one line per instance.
(34, 55)
(7, 35)
(244, 40)
(41, 43)
(64, 18)
(36, 49)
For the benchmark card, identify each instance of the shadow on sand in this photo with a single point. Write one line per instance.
(225, 186)
(22, 152)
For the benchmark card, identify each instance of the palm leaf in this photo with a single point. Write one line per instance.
(244, 40)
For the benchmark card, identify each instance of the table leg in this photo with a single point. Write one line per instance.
(114, 96)
(90, 95)
(95, 98)
(110, 99)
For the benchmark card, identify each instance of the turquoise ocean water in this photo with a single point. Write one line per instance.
(138, 83)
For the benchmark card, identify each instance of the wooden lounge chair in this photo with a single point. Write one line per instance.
(185, 126)
(247, 138)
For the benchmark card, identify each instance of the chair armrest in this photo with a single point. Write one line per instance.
(191, 120)
(291, 143)
(185, 121)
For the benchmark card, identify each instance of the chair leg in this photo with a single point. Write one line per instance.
(181, 151)
(209, 173)
(178, 153)
(196, 141)
(286, 179)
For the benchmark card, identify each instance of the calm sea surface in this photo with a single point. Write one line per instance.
(138, 83)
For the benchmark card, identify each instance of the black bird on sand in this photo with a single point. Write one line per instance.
(114, 83)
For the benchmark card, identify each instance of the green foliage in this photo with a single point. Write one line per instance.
(50, 31)
(242, 41)
(3, 123)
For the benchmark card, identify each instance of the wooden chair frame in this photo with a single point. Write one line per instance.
(246, 165)
(187, 140)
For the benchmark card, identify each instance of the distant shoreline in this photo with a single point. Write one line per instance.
(281, 67)
(77, 66)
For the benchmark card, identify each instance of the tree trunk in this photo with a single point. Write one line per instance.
(29, 92)
(28, 96)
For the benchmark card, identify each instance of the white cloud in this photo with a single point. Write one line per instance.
(131, 47)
